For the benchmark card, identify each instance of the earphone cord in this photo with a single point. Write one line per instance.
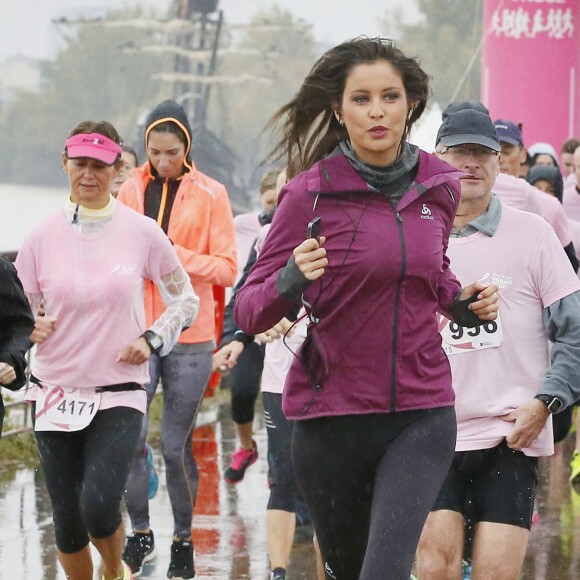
(314, 320)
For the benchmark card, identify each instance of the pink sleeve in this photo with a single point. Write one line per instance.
(533, 204)
(555, 215)
(162, 258)
(560, 225)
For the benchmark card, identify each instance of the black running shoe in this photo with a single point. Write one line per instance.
(140, 548)
(278, 574)
(181, 566)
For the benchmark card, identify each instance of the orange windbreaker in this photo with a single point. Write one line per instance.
(201, 228)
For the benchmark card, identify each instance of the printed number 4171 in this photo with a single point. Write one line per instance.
(69, 407)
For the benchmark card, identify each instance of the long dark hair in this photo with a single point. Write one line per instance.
(310, 130)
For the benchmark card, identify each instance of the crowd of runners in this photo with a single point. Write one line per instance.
(411, 319)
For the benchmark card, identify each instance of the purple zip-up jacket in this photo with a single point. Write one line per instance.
(376, 347)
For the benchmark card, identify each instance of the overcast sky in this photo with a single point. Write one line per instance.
(26, 28)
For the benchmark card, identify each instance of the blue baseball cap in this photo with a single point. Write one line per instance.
(508, 132)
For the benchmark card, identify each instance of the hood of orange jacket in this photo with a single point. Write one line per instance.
(172, 112)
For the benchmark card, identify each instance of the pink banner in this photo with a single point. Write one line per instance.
(531, 67)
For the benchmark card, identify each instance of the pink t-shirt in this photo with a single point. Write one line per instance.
(556, 216)
(93, 285)
(517, 193)
(570, 179)
(247, 227)
(525, 259)
(571, 201)
(280, 354)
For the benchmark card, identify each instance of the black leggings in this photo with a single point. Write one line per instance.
(369, 482)
(245, 384)
(85, 474)
(284, 492)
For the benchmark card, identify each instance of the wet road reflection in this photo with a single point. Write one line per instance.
(554, 547)
(229, 523)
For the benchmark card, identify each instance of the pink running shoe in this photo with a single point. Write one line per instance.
(241, 460)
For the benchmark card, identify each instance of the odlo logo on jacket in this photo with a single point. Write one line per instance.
(426, 213)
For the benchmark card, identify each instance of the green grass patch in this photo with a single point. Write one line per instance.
(16, 452)
(154, 428)
(17, 449)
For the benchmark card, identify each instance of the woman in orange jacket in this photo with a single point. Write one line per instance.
(195, 213)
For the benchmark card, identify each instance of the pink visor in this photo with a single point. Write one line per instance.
(92, 146)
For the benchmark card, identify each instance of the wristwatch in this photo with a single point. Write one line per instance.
(242, 337)
(154, 341)
(553, 403)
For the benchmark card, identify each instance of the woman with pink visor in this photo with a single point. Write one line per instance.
(87, 264)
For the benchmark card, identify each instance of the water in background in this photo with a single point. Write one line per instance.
(22, 207)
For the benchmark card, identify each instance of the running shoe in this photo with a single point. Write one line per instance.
(241, 460)
(466, 570)
(278, 574)
(140, 548)
(153, 478)
(181, 565)
(575, 467)
(127, 574)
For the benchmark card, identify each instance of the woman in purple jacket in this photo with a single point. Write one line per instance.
(370, 389)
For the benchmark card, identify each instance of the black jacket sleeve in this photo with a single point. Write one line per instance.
(571, 253)
(230, 330)
(16, 323)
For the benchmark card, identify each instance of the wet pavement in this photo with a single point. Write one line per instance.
(229, 523)
(554, 547)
